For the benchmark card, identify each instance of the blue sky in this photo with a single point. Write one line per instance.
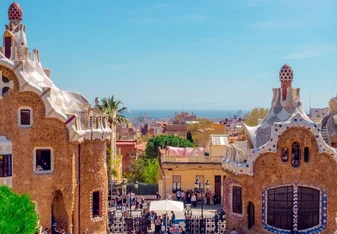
(169, 54)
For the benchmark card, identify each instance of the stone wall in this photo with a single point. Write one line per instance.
(59, 188)
(44, 133)
(269, 170)
(93, 178)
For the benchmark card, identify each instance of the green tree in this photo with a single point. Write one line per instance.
(113, 108)
(110, 107)
(162, 141)
(17, 213)
(252, 116)
(143, 170)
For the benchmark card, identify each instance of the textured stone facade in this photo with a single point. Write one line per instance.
(57, 189)
(269, 170)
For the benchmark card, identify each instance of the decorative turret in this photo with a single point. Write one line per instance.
(15, 13)
(15, 43)
(286, 77)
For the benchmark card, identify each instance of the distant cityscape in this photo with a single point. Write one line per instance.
(137, 115)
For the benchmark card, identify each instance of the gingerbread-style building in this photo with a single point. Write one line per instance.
(285, 181)
(52, 144)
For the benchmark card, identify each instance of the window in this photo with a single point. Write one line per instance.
(43, 162)
(295, 154)
(237, 200)
(280, 207)
(308, 207)
(176, 183)
(96, 204)
(8, 45)
(25, 115)
(306, 154)
(5, 165)
(284, 155)
(284, 203)
(200, 179)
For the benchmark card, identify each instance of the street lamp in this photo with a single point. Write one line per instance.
(197, 187)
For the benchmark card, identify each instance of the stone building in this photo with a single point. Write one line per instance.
(52, 144)
(285, 181)
(180, 168)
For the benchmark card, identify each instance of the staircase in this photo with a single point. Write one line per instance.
(324, 133)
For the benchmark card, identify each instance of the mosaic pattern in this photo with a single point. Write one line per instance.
(286, 73)
(68, 107)
(323, 211)
(284, 114)
(271, 145)
(5, 85)
(15, 12)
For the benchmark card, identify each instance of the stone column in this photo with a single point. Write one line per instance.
(70, 223)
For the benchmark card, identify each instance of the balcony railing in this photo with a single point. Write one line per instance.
(192, 159)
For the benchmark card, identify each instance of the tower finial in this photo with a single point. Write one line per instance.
(15, 13)
(286, 78)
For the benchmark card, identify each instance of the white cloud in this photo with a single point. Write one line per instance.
(314, 52)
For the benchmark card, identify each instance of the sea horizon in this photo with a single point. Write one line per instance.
(164, 114)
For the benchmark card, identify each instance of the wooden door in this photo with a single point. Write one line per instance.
(217, 189)
(251, 218)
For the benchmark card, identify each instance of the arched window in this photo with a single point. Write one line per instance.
(306, 154)
(280, 206)
(284, 154)
(295, 154)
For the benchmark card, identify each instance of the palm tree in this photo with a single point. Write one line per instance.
(113, 109)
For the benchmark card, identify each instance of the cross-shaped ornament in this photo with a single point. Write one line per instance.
(5, 85)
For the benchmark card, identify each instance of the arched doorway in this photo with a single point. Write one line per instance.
(58, 212)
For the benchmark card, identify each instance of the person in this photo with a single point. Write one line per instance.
(54, 231)
(194, 200)
(173, 218)
(188, 197)
(178, 195)
(124, 211)
(182, 196)
(214, 198)
(208, 198)
(234, 231)
(157, 224)
(158, 196)
(216, 220)
(169, 197)
(133, 231)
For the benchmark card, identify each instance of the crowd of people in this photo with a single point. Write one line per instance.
(124, 202)
(191, 197)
